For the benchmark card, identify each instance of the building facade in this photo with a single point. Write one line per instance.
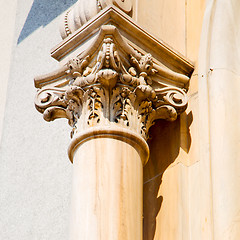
(191, 180)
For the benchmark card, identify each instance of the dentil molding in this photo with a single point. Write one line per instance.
(113, 73)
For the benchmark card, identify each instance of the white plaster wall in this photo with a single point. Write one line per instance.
(35, 173)
(7, 23)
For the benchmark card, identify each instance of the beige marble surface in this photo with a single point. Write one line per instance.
(172, 177)
(165, 19)
(106, 191)
(219, 114)
(165, 184)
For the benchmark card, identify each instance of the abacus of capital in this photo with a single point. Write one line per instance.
(114, 81)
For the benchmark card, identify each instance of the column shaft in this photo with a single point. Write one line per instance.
(107, 191)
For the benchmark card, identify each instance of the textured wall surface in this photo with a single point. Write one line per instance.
(7, 24)
(35, 173)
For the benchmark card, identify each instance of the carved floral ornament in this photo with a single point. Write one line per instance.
(110, 83)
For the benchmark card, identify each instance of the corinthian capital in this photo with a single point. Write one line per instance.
(115, 80)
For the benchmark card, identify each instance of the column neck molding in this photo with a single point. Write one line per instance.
(114, 132)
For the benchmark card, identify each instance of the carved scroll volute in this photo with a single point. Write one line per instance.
(111, 86)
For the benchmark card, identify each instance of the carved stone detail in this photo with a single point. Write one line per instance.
(84, 10)
(107, 87)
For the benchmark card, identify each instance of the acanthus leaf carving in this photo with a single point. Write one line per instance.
(95, 100)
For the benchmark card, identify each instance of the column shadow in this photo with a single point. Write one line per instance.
(164, 146)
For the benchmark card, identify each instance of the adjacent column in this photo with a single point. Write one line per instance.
(219, 111)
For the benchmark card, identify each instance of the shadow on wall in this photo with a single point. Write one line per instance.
(42, 13)
(164, 146)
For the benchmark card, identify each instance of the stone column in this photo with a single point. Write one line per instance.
(107, 184)
(111, 121)
(111, 95)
